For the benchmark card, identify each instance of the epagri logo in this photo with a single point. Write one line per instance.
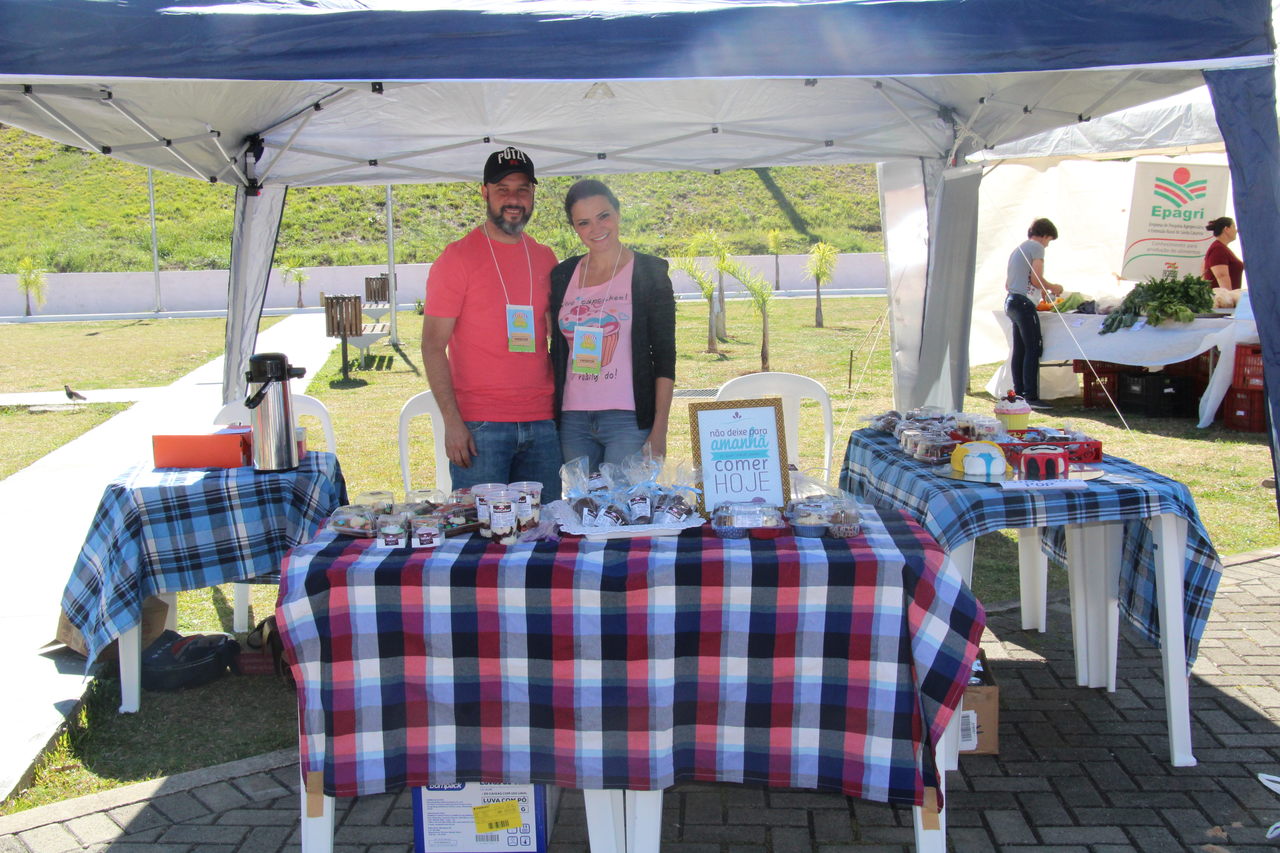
(1179, 192)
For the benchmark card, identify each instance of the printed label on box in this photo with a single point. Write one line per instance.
(480, 818)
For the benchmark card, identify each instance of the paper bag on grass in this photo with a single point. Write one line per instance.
(154, 614)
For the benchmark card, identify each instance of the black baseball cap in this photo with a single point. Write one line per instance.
(508, 161)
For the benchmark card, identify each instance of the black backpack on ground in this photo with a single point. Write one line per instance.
(174, 661)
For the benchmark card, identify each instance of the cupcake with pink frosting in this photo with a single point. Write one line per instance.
(1013, 411)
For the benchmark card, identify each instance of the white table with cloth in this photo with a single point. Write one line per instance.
(629, 665)
(1132, 541)
(164, 530)
(1075, 336)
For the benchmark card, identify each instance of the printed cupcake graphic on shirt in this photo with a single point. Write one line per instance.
(584, 314)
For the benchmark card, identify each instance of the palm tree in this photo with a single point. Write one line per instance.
(708, 243)
(773, 243)
(32, 282)
(821, 267)
(690, 267)
(761, 294)
(291, 272)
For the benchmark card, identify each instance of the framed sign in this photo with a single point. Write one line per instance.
(741, 447)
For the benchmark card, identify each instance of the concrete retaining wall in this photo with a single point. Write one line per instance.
(122, 293)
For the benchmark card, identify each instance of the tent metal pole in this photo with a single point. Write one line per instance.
(391, 265)
(155, 245)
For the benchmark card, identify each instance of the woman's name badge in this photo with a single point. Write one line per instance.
(588, 344)
(519, 328)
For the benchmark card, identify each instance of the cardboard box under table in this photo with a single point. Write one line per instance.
(980, 717)
(478, 817)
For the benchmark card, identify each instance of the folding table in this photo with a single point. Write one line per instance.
(1132, 541)
(625, 666)
(158, 531)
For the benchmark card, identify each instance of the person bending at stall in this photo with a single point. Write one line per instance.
(1221, 266)
(614, 359)
(1025, 286)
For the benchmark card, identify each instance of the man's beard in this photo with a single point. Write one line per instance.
(515, 228)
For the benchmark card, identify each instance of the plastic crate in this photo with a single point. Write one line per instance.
(1245, 411)
(1248, 372)
(1156, 395)
(1198, 367)
(1080, 452)
(1102, 368)
(1097, 388)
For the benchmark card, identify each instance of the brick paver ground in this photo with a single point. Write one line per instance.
(1079, 770)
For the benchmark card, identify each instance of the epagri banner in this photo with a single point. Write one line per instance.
(1172, 203)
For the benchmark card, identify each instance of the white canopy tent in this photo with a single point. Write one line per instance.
(268, 95)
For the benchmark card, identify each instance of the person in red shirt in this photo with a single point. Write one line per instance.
(484, 340)
(1221, 266)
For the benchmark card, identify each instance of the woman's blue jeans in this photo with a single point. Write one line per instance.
(1027, 345)
(609, 436)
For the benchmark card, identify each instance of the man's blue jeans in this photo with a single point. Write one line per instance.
(512, 451)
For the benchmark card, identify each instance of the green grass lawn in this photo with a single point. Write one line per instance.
(30, 433)
(108, 353)
(850, 357)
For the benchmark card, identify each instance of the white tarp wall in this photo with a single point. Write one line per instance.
(1088, 201)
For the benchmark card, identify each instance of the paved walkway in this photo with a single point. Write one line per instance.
(1079, 770)
(48, 505)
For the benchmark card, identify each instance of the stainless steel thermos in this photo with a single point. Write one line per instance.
(271, 411)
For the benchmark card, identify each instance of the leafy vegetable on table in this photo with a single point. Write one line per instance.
(1161, 299)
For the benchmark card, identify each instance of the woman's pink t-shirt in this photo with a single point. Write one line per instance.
(606, 305)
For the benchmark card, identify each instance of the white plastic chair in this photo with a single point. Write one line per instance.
(236, 413)
(792, 388)
(303, 404)
(417, 405)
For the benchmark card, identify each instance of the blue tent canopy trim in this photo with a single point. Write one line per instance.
(268, 95)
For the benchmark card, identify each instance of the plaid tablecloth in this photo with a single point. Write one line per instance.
(955, 511)
(170, 529)
(630, 663)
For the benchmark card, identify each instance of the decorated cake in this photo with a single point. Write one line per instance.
(980, 460)
(1013, 411)
(1044, 462)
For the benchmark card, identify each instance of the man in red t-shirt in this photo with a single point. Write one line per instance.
(484, 340)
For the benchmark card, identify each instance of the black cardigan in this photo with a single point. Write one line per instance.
(653, 331)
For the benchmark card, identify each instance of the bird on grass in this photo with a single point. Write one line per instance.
(72, 395)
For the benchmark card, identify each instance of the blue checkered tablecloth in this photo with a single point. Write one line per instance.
(956, 511)
(171, 529)
(630, 663)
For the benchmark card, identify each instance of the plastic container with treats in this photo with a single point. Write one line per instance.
(379, 502)
(845, 522)
(935, 448)
(810, 516)
(422, 496)
(528, 504)
(352, 520)
(426, 531)
(480, 492)
(502, 515)
(909, 439)
(462, 496)
(392, 530)
(739, 519)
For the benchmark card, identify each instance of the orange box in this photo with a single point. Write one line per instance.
(227, 448)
